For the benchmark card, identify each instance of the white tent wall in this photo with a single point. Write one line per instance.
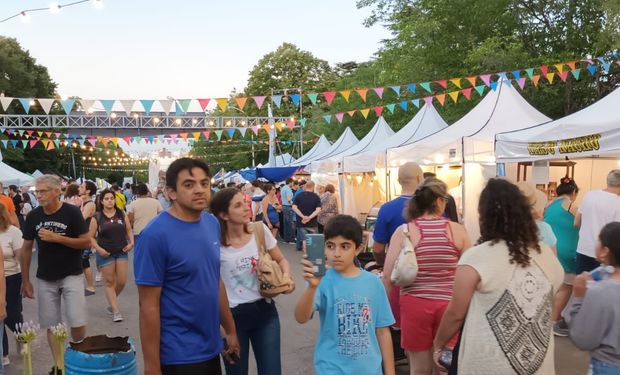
(320, 147)
(360, 194)
(346, 140)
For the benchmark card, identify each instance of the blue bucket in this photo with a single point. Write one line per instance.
(101, 355)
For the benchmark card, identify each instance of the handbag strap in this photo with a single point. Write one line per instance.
(259, 235)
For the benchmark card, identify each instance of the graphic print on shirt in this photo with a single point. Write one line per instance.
(243, 274)
(521, 319)
(354, 318)
(53, 226)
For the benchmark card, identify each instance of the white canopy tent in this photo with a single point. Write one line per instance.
(469, 142)
(320, 147)
(11, 176)
(346, 140)
(283, 160)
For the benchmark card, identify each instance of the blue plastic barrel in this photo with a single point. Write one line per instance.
(80, 363)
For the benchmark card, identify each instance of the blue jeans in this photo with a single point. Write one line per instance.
(257, 323)
(13, 308)
(288, 217)
(604, 368)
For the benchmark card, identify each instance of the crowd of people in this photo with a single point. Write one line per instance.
(536, 271)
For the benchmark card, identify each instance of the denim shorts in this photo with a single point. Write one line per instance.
(104, 261)
(604, 368)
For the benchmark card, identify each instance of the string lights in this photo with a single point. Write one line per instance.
(53, 8)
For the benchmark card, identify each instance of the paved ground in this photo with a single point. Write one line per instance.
(297, 340)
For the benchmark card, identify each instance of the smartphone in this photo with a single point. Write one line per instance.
(445, 359)
(315, 248)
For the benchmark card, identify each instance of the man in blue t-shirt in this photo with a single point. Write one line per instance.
(287, 210)
(177, 270)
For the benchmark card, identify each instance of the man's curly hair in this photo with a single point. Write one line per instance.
(505, 215)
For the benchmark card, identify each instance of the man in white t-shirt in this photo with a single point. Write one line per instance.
(142, 210)
(598, 208)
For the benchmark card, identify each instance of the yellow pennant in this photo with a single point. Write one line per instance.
(550, 76)
(115, 141)
(222, 103)
(196, 135)
(559, 67)
(45, 142)
(345, 94)
(454, 95)
(456, 82)
(365, 112)
(278, 125)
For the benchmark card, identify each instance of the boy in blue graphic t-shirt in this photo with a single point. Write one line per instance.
(354, 336)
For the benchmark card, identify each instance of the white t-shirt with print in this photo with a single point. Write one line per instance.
(238, 269)
(597, 209)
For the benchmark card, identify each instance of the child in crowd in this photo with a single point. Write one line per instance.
(354, 336)
(594, 316)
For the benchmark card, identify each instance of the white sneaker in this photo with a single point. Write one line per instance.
(6, 361)
(117, 317)
(97, 277)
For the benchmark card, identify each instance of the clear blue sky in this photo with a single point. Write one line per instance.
(134, 49)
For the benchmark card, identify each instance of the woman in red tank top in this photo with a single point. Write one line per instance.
(438, 244)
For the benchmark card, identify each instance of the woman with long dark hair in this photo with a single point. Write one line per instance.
(271, 207)
(256, 318)
(113, 240)
(503, 292)
(438, 245)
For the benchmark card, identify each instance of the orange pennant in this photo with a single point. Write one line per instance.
(365, 112)
(51, 146)
(571, 65)
(45, 142)
(241, 101)
(441, 98)
(222, 103)
(472, 80)
(345, 94)
(105, 141)
(454, 95)
(183, 135)
(456, 82)
(267, 128)
(535, 79)
(362, 93)
(351, 113)
(559, 67)
(550, 76)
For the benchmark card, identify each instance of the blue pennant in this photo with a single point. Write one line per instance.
(14, 142)
(148, 105)
(411, 87)
(592, 69)
(295, 98)
(231, 132)
(404, 105)
(151, 138)
(416, 102)
(177, 109)
(516, 74)
(242, 131)
(606, 67)
(328, 118)
(5, 142)
(493, 85)
(107, 104)
(25, 103)
(67, 105)
(396, 89)
(277, 100)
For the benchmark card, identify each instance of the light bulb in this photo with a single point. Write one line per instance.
(156, 120)
(135, 115)
(113, 115)
(32, 102)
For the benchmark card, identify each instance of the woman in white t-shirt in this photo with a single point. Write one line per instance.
(11, 242)
(503, 292)
(256, 318)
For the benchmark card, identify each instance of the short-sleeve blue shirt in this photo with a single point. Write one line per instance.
(183, 258)
(390, 217)
(350, 308)
(287, 195)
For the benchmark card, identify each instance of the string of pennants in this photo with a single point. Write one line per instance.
(52, 140)
(182, 106)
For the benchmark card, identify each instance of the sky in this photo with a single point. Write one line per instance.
(153, 49)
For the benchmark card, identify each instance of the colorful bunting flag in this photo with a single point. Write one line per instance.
(166, 105)
(329, 97)
(516, 74)
(493, 85)
(563, 75)
(327, 118)
(312, 98)
(303, 122)
(521, 82)
(404, 105)
(147, 104)
(559, 67)
(218, 134)
(391, 107)
(467, 92)
(25, 102)
(362, 93)
(339, 117)
(241, 100)
(441, 98)
(231, 132)
(549, 77)
(416, 102)
(456, 82)
(571, 65)
(365, 112)
(486, 78)
(255, 129)
(472, 80)
(5, 102)
(535, 79)
(242, 131)
(426, 86)
(46, 104)
(379, 91)
(345, 94)
(277, 100)
(543, 69)
(576, 73)
(480, 89)
(126, 104)
(591, 69)
(411, 87)
(428, 100)
(107, 104)
(351, 113)
(454, 95)
(443, 83)
(222, 103)
(259, 100)
(378, 110)
(529, 72)
(295, 98)
(396, 89)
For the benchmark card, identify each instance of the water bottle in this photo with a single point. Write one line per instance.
(602, 272)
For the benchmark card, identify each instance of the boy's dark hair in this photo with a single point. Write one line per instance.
(142, 189)
(609, 238)
(90, 187)
(289, 180)
(13, 188)
(346, 226)
(183, 164)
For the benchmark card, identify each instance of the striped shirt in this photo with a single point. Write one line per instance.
(437, 259)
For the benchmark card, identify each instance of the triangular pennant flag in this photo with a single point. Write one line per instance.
(576, 73)
(92, 141)
(183, 135)
(40, 133)
(277, 100)
(428, 100)
(57, 135)
(456, 82)
(48, 134)
(486, 78)
(25, 102)
(404, 104)
(127, 140)
(411, 87)
(86, 104)
(441, 98)
(204, 103)
(150, 139)
(339, 117)
(166, 105)
(127, 105)
(454, 95)
(544, 69)
(222, 103)
(571, 65)
(50, 145)
(391, 107)
(290, 124)
(378, 110)
(259, 100)
(313, 97)
(362, 93)
(365, 112)
(521, 82)
(267, 128)
(279, 125)
(351, 113)
(174, 137)
(329, 96)
(33, 143)
(5, 102)
(502, 76)
(21, 132)
(137, 140)
(559, 67)
(549, 77)
(46, 104)
(345, 94)
(426, 86)
(606, 66)
(242, 131)
(241, 100)
(231, 132)
(5, 143)
(29, 132)
(472, 80)
(416, 102)
(147, 104)
(177, 109)
(467, 92)
(196, 135)
(107, 104)
(45, 142)
(327, 118)
(529, 72)
(443, 83)
(493, 85)
(295, 99)
(206, 134)
(184, 103)
(56, 143)
(480, 89)
(303, 122)
(563, 75)
(516, 74)
(379, 91)
(396, 89)
(535, 79)
(115, 141)
(255, 129)
(24, 143)
(591, 69)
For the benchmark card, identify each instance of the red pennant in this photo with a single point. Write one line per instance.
(204, 103)
(467, 93)
(127, 140)
(544, 69)
(443, 83)
(33, 143)
(441, 98)
(329, 96)
(29, 132)
(563, 75)
(378, 110)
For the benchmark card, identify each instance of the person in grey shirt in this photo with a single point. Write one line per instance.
(594, 314)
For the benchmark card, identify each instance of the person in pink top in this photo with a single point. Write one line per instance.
(438, 245)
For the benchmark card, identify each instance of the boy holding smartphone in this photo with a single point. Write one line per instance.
(353, 307)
